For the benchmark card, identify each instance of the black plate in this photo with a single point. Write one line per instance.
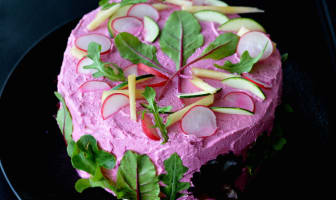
(33, 153)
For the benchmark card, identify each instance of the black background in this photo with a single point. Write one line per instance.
(303, 29)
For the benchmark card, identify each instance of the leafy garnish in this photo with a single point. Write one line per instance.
(224, 45)
(175, 172)
(136, 178)
(180, 37)
(245, 64)
(105, 4)
(64, 119)
(108, 70)
(284, 57)
(153, 108)
(132, 49)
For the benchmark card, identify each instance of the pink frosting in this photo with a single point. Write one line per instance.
(118, 133)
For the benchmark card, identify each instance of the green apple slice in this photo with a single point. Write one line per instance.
(243, 84)
(229, 110)
(233, 25)
(101, 16)
(151, 29)
(211, 16)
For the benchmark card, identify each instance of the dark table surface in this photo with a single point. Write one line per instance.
(308, 36)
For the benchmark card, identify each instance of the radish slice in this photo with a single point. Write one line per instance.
(84, 62)
(148, 128)
(83, 42)
(112, 104)
(258, 83)
(131, 69)
(238, 100)
(199, 121)
(93, 86)
(254, 42)
(143, 9)
(128, 24)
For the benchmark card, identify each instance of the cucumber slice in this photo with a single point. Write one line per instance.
(138, 79)
(233, 25)
(196, 94)
(151, 29)
(243, 84)
(229, 110)
(211, 16)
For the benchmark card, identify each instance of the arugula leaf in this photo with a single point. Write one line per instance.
(114, 72)
(153, 108)
(175, 172)
(180, 37)
(105, 4)
(245, 64)
(97, 180)
(132, 49)
(64, 119)
(136, 178)
(224, 45)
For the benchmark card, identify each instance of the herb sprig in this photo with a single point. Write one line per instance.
(108, 70)
(153, 108)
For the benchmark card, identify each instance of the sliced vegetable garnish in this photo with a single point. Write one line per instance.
(151, 29)
(84, 62)
(238, 100)
(131, 94)
(93, 86)
(203, 85)
(180, 2)
(211, 16)
(151, 70)
(141, 10)
(139, 79)
(101, 16)
(255, 81)
(212, 74)
(149, 128)
(199, 121)
(243, 84)
(129, 24)
(77, 53)
(233, 25)
(255, 42)
(160, 6)
(196, 94)
(121, 12)
(138, 93)
(131, 69)
(223, 9)
(242, 31)
(83, 42)
(176, 116)
(234, 111)
(112, 104)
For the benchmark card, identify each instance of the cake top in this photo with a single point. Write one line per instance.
(138, 74)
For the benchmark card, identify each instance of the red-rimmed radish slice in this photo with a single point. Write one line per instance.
(151, 70)
(148, 128)
(143, 9)
(255, 81)
(83, 42)
(93, 86)
(238, 100)
(199, 121)
(113, 103)
(131, 69)
(132, 25)
(158, 84)
(254, 42)
(84, 62)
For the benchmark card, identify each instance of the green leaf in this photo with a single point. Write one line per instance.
(175, 172)
(136, 178)
(64, 119)
(132, 49)
(245, 64)
(180, 37)
(108, 70)
(223, 46)
(131, 2)
(284, 57)
(96, 180)
(153, 108)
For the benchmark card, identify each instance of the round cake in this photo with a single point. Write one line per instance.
(151, 91)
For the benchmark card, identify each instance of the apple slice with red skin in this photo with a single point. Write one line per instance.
(130, 24)
(93, 86)
(258, 83)
(83, 42)
(148, 128)
(238, 100)
(140, 10)
(151, 70)
(113, 104)
(199, 121)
